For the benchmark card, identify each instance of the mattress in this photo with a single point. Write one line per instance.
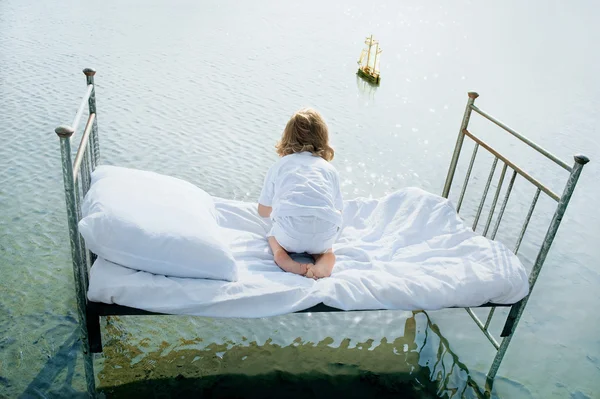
(406, 251)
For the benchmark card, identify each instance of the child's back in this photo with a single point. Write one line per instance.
(302, 196)
(303, 185)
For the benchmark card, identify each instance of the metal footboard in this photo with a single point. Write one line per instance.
(563, 200)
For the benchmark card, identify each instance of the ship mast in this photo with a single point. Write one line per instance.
(369, 53)
(375, 61)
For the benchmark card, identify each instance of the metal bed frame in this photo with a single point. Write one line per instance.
(77, 177)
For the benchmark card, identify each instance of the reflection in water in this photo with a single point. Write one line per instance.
(451, 376)
(58, 371)
(418, 364)
(366, 88)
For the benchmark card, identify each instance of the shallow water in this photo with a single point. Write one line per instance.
(203, 90)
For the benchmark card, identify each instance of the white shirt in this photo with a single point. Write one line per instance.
(302, 184)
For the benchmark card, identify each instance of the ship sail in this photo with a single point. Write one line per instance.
(371, 61)
(362, 57)
(376, 62)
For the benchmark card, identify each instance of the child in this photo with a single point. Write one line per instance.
(302, 196)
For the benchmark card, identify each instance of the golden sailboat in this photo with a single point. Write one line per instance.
(368, 63)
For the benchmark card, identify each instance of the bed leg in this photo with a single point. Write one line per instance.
(491, 375)
(510, 325)
(94, 333)
(511, 320)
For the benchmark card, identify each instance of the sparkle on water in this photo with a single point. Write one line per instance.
(202, 90)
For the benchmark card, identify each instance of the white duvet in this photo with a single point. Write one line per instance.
(408, 250)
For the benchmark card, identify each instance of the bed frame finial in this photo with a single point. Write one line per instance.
(581, 159)
(473, 95)
(64, 131)
(89, 71)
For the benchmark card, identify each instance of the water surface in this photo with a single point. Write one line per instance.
(202, 90)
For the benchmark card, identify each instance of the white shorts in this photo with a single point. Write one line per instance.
(304, 234)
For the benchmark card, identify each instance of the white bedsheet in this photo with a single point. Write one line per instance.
(408, 250)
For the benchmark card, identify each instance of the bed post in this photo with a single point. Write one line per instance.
(517, 309)
(65, 133)
(94, 331)
(94, 144)
(459, 142)
(89, 77)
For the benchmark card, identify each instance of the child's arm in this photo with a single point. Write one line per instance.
(266, 196)
(264, 211)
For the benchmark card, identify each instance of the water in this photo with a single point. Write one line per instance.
(203, 90)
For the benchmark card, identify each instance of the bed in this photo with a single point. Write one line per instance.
(409, 250)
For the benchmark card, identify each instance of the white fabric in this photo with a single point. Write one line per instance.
(155, 223)
(408, 251)
(302, 184)
(308, 234)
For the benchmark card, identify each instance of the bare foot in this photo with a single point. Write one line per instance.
(283, 260)
(309, 272)
(306, 267)
(322, 267)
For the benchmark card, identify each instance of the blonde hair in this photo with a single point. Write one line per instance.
(305, 131)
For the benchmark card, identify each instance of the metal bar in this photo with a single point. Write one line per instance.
(527, 219)
(95, 146)
(84, 182)
(491, 375)
(485, 191)
(520, 171)
(459, 142)
(580, 160)
(82, 248)
(517, 309)
(503, 206)
(495, 201)
(85, 171)
(462, 192)
(65, 133)
(83, 145)
(524, 139)
(480, 325)
(89, 77)
(489, 318)
(84, 100)
(86, 175)
(104, 309)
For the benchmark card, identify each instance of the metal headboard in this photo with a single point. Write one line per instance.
(563, 200)
(77, 178)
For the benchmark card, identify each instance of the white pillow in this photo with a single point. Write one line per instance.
(155, 223)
